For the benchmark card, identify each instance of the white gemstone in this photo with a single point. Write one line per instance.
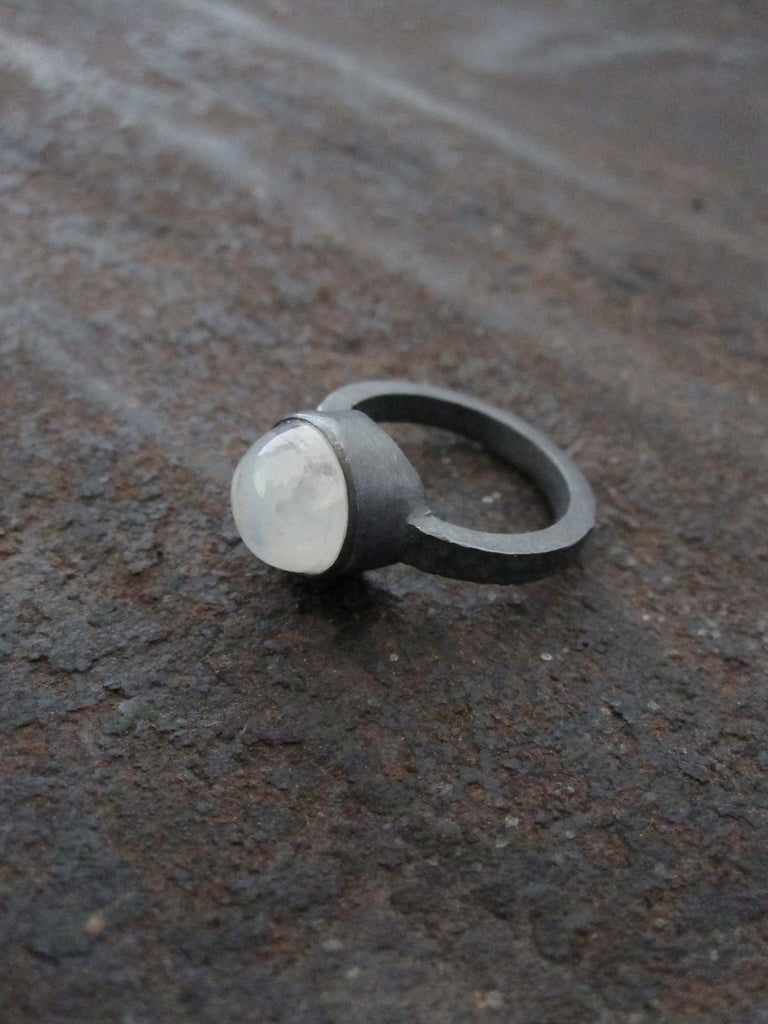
(289, 499)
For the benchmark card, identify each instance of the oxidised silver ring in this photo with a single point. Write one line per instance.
(329, 491)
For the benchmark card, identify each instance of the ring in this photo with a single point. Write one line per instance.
(328, 491)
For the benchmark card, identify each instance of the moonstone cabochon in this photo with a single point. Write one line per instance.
(289, 499)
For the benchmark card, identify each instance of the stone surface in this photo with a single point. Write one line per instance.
(289, 500)
(231, 795)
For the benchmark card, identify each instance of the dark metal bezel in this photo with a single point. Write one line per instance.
(383, 489)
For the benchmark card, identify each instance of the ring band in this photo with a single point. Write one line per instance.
(329, 491)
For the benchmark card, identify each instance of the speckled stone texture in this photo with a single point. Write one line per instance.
(228, 796)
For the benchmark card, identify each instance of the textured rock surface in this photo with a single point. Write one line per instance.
(230, 796)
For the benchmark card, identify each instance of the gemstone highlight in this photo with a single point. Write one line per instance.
(289, 500)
